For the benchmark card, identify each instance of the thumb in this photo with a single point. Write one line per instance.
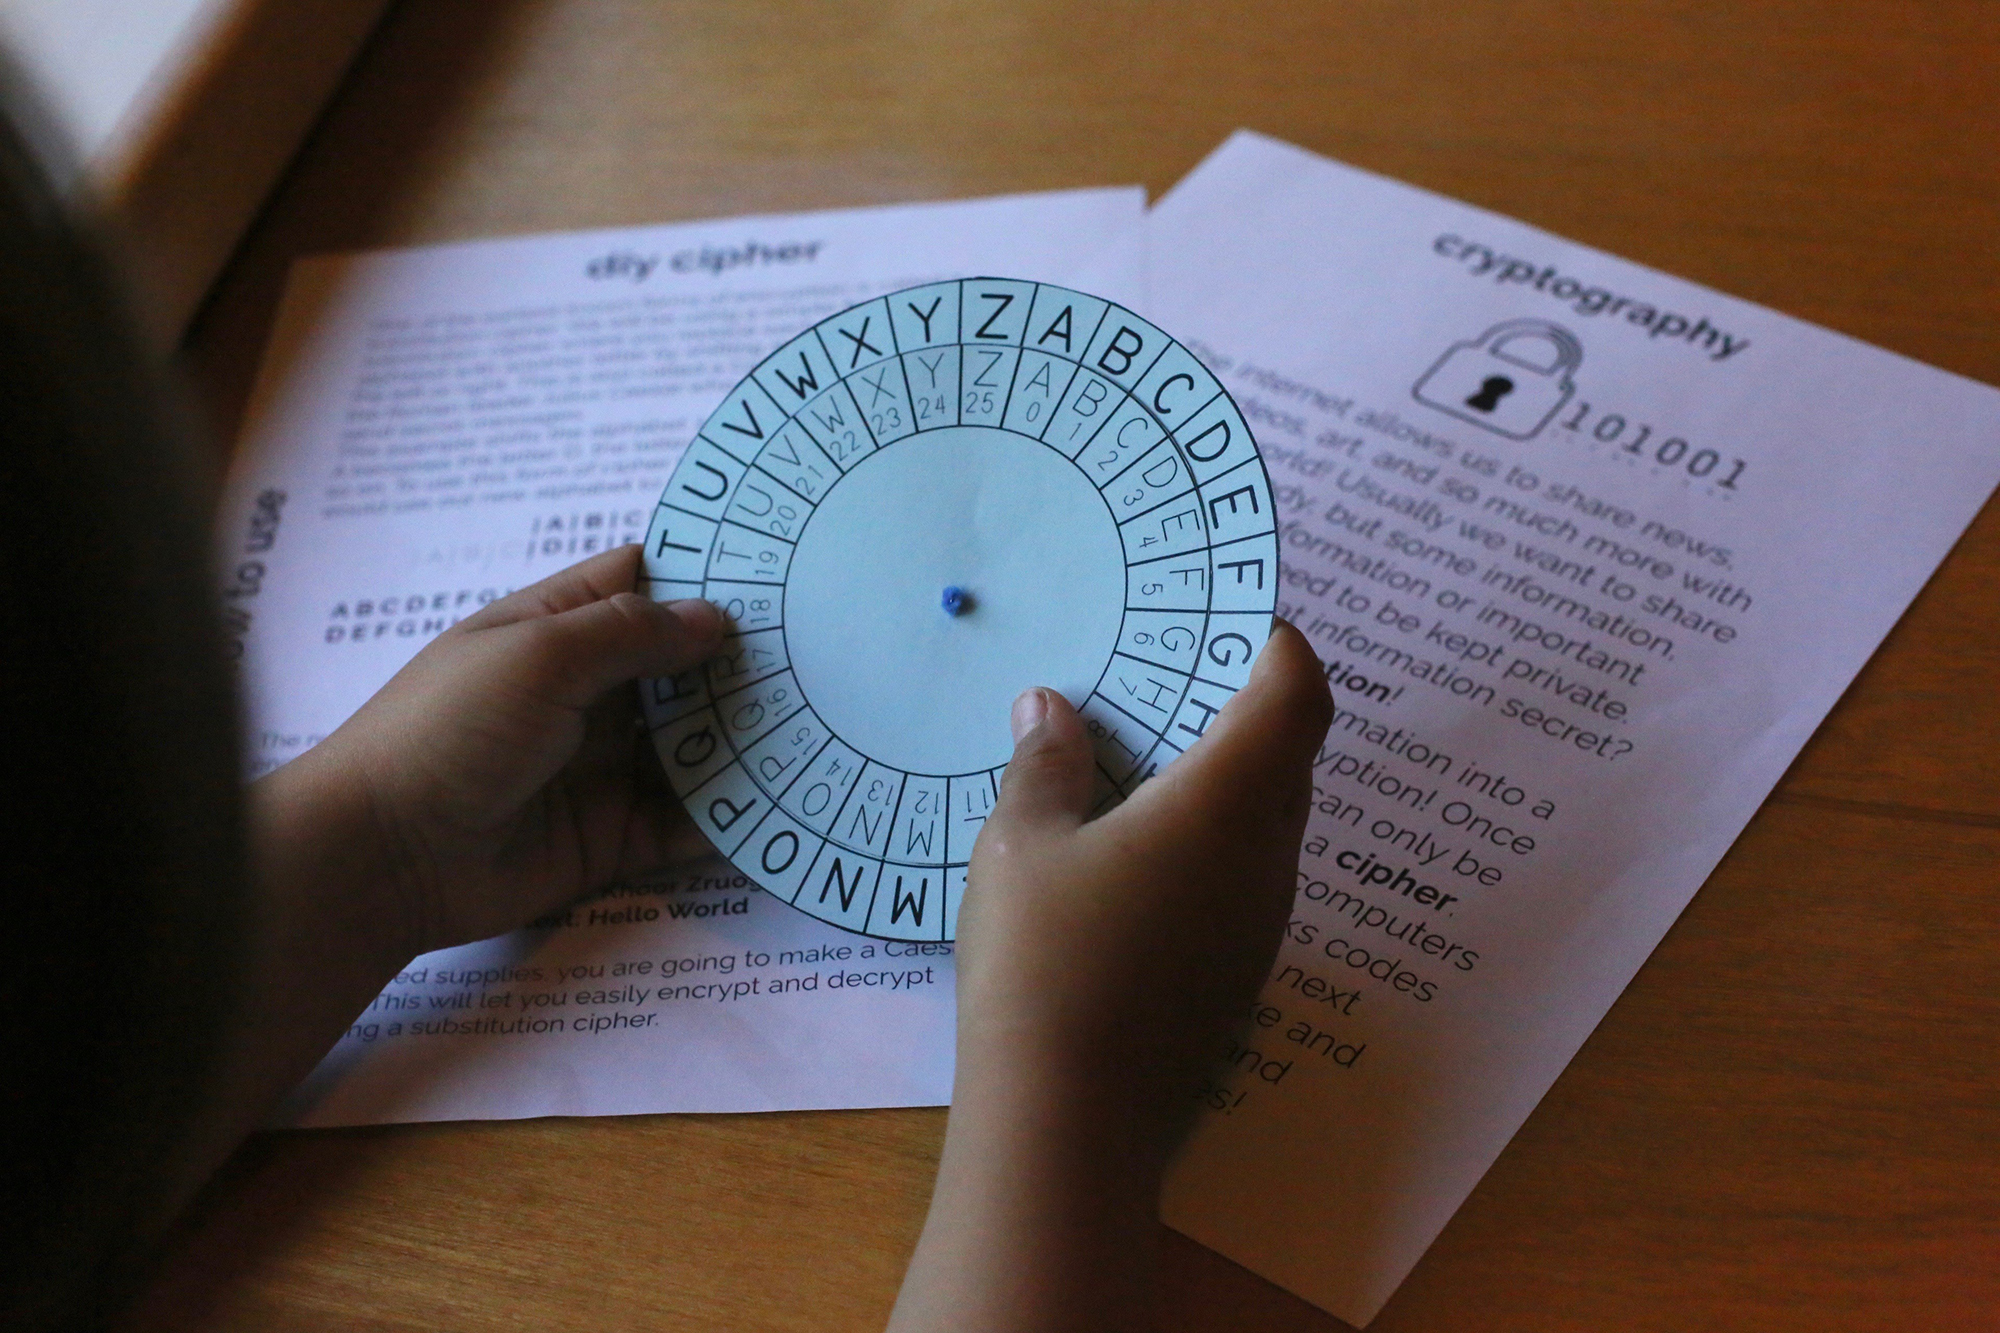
(573, 657)
(1252, 768)
(1048, 781)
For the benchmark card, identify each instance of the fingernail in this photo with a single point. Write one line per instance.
(1029, 710)
(701, 618)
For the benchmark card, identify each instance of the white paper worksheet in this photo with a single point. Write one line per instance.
(1588, 552)
(436, 427)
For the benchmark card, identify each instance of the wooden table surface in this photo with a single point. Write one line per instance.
(1790, 1121)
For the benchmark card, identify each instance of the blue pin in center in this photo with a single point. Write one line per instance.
(956, 601)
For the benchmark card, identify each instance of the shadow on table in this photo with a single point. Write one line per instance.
(371, 158)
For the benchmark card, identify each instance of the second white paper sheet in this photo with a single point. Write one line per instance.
(436, 427)
(1588, 552)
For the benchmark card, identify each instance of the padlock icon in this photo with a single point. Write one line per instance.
(1510, 379)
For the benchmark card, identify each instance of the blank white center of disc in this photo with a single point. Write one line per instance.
(1010, 522)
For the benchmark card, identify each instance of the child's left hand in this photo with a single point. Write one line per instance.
(502, 772)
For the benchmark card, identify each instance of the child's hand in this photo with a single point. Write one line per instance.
(502, 773)
(1100, 965)
(1117, 954)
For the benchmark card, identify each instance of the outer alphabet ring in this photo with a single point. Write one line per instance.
(913, 511)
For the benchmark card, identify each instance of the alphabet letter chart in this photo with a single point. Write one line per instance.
(911, 512)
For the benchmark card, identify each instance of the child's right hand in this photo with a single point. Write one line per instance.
(1100, 965)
